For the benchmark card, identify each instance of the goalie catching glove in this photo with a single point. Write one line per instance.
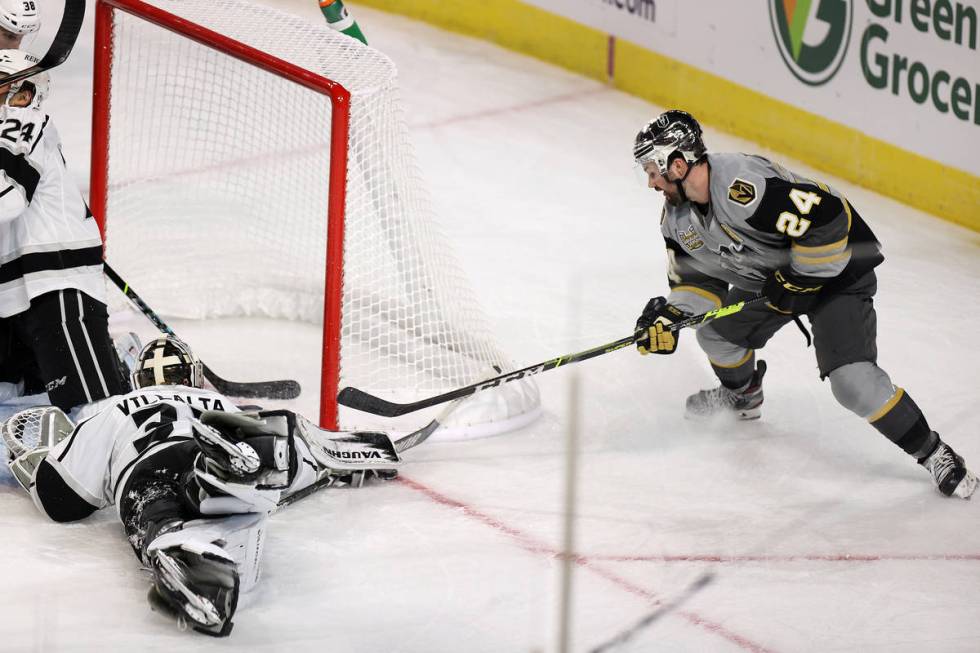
(29, 435)
(652, 331)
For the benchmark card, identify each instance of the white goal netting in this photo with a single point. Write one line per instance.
(212, 155)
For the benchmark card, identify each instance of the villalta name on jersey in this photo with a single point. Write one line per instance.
(135, 402)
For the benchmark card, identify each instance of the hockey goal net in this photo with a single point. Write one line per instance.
(224, 126)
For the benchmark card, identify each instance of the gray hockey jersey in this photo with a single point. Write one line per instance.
(761, 217)
(48, 238)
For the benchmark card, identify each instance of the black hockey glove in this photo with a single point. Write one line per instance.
(791, 293)
(653, 323)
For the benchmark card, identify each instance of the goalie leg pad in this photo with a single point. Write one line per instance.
(348, 450)
(342, 458)
(201, 569)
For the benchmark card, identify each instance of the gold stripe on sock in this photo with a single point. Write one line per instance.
(745, 359)
(884, 410)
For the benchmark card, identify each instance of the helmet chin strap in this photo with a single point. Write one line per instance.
(13, 91)
(679, 183)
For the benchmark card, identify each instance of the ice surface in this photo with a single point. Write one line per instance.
(822, 535)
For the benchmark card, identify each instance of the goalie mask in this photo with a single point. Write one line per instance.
(167, 361)
(670, 135)
(12, 61)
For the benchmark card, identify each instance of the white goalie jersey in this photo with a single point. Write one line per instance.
(93, 464)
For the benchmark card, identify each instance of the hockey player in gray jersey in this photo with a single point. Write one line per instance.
(192, 477)
(738, 225)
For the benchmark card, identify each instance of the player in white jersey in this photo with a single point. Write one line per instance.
(53, 319)
(18, 18)
(192, 477)
(737, 225)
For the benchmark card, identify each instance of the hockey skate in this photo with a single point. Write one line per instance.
(949, 472)
(745, 403)
(196, 583)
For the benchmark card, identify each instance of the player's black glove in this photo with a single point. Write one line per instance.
(791, 293)
(653, 323)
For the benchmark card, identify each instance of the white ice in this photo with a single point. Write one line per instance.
(821, 535)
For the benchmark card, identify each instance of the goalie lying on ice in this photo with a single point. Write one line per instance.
(192, 477)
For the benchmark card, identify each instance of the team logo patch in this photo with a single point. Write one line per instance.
(690, 239)
(742, 192)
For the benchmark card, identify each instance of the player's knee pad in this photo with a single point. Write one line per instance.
(719, 351)
(863, 388)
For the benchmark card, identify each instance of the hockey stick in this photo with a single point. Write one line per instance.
(699, 584)
(413, 440)
(360, 400)
(64, 41)
(410, 441)
(282, 389)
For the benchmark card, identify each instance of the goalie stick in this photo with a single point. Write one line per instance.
(281, 389)
(61, 46)
(405, 443)
(363, 401)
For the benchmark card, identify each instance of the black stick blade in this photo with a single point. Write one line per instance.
(61, 45)
(360, 400)
(281, 389)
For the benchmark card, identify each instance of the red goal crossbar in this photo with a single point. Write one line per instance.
(339, 130)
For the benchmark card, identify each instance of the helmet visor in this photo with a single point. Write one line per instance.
(656, 154)
(642, 175)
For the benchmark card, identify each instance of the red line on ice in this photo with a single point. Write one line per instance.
(534, 545)
(832, 557)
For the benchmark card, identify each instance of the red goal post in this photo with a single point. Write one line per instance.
(340, 101)
(229, 130)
